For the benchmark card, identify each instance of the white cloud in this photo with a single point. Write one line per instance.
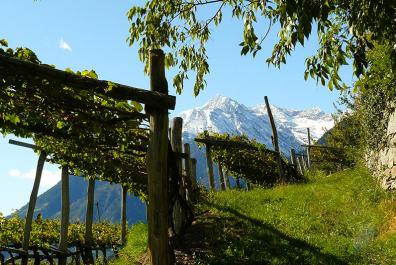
(64, 45)
(48, 178)
(14, 173)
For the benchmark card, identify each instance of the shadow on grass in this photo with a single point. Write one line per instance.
(240, 239)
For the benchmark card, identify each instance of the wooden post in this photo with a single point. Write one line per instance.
(209, 163)
(309, 149)
(187, 163)
(123, 214)
(157, 168)
(293, 157)
(176, 140)
(63, 244)
(238, 180)
(89, 219)
(248, 187)
(221, 175)
(300, 164)
(194, 171)
(304, 163)
(275, 138)
(227, 180)
(32, 205)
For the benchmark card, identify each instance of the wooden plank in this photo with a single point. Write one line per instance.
(227, 180)
(89, 218)
(209, 163)
(123, 214)
(293, 158)
(65, 211)
(118, 91)
(32, 205)
(275, 138)
(157, 168)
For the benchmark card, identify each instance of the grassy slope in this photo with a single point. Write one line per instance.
(339, 219)
(137, 244)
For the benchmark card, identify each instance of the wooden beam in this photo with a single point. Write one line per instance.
(65, 211)
(157, 99)
(227, 143)
(157, 168)
(275, 138)
(123, 214)
(293, 157)
(32, 205)
(300, 165)
(190, 181)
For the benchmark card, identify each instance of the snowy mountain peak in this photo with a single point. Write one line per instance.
(225, 115)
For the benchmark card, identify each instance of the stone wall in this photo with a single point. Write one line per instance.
(383, 162)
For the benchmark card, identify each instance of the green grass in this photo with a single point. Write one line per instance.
(136, 245)
(344, 218)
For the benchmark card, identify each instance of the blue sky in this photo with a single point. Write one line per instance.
(91, 34)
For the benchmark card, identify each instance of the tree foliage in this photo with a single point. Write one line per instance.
(246, 158)
(346, 29)
(376, 94)
(89, 132)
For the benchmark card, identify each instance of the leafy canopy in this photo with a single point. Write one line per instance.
(246, 158)
(345, 29)
(82, 129)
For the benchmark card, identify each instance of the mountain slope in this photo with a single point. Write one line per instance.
(225, 115)
(107, 196)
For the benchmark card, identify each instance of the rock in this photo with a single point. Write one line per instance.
(392, 124)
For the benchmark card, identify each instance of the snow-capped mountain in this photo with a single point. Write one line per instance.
(225, 115)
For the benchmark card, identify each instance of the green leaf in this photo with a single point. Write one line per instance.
(4, 43)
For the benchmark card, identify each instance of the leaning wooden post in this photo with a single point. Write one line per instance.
(275, 138)
(89, 219)
(123, 214)
(177, 145)
(32, 205)
(221, 175)
(157, 167)
(309, 149)
(238, 183)
(300, 164)
(209, 163)
(293, 157)
(65, 210)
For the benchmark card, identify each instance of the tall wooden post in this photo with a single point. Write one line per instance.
(65, 210)
(32, 205)
(157, 167)
(293, 157)
(275, 138)
(221, 175)
(123, 214)
(309, 149)
(209, 163)
(304, 163)
(89, 218)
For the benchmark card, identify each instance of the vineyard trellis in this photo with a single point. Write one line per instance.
(95, 128)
